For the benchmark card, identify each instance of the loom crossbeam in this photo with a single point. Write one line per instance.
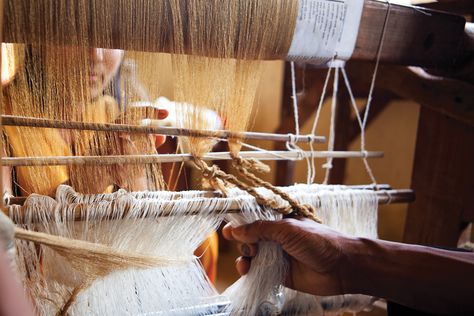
(383, 197)
(167, 158)
(10, 120)
(19, 200)
(413, 35)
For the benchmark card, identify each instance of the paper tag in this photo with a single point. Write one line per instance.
(325, 29)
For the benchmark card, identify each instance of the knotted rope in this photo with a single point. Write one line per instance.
(216, 175)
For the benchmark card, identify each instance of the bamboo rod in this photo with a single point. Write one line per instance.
(10, 120)
(19, 200)
(384, 197)
(168, 158)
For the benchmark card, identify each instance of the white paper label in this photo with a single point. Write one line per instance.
(325, 29)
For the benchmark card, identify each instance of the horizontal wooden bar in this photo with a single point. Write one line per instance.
(19, 200)
(384, 197)
(166, 158)
(413, 35)
(10, 120)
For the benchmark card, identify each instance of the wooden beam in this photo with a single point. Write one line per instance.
(153, 128)
(383, 197)
(442, 179)
(456, 6)
(413, 36)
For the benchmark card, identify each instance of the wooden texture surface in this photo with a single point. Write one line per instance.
(414, 36)
(443, 181)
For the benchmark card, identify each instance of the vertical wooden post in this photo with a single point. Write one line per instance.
(443, 180)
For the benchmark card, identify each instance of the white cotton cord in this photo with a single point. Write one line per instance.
(365, 161)
(315, 124)
(321, 101)
(332, 129)
(291, 145)
(294, 97)
(377, 62)
(269, 152)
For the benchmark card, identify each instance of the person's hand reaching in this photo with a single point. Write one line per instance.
(317, 252)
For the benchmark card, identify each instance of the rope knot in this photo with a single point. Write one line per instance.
(210, 172)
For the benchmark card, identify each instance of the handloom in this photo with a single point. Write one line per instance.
(131, 251)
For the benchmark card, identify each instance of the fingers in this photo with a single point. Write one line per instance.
(159, 140)
(242, 264)
(160, 114)
(253, 233)
(248, 250)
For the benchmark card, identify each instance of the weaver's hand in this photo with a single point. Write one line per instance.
(316, 252)
(129, 145)
(151, 113)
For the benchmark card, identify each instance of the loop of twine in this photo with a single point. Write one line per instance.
(296, 208)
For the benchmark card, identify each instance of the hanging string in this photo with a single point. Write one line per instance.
(332, 130)
(291, 144)
(377, 62)
(363, 122)
(362, 129)
(311, 177)
(294, 98)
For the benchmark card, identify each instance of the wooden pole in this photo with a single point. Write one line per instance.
(383, 196)
(10, 120)
(157, 158)
(19, 200)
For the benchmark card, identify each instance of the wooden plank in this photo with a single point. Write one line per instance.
(414, 36)
(450, 96)
(442, 179)
(454, 6)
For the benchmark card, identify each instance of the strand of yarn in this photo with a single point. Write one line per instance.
(332, 129)
(294, 98)
(362, 130)
(63, 311)
(291, 144)
(363, 122)
(311, 177)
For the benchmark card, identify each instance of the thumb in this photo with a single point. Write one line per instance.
(258, 231)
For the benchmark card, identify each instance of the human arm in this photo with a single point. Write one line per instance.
(326, 262)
